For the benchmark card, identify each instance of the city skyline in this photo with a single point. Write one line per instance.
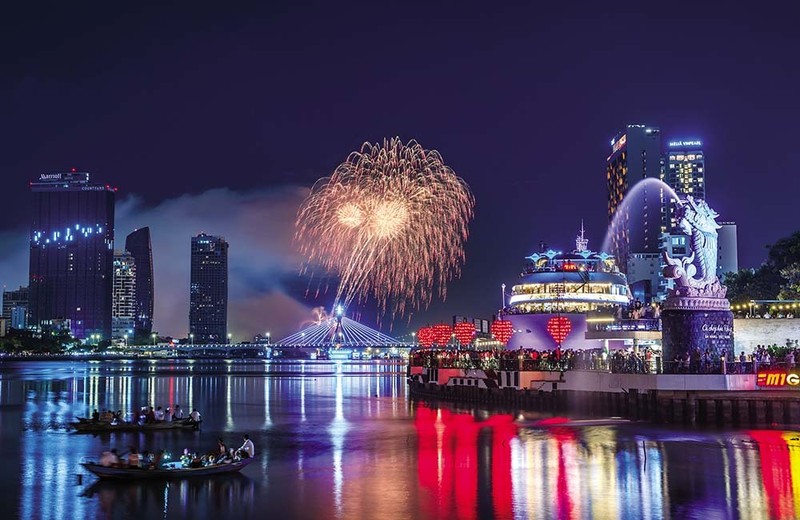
(530, 138)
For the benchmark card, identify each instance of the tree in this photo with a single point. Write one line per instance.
(763, 283)
(791, 286)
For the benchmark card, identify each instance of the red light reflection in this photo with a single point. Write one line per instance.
(448, 462)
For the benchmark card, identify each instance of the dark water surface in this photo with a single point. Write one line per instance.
(342, 440)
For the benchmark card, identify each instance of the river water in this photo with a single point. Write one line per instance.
(343, 440)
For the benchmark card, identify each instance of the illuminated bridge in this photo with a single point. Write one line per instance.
(339, 333)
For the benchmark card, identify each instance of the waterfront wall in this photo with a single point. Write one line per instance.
(748, 333)
(732, 399)
(730, 408)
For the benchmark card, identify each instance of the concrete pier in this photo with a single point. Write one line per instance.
(712, 400)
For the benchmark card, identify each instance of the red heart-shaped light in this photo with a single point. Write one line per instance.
(559, 328)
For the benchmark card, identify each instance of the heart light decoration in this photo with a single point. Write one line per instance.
(502, 330)
(559, 328)
(464, 332)
(442, 332)
(425, 336)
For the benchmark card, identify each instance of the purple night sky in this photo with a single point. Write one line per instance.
(219, 121)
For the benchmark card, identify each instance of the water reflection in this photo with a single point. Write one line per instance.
(342, 440)
(230, 497)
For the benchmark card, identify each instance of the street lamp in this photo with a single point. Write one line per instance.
(413, 338)
(229, 338)
(126, 339)
(191, 338)
(154, 339)
(269, 342)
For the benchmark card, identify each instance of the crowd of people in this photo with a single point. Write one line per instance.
(643, 360)
(148, 415)
(189, 459)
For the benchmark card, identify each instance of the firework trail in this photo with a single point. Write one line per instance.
(391, 221)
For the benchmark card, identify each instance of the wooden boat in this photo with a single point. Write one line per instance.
(167, 471)
(85, 426)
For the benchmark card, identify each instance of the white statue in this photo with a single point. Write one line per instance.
(698, 270)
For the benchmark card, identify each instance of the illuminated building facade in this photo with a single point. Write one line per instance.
(208, 291)
(72, 253)
(635, 155)
(139, 246)
(123, 310)
(15, 308)
(684, 171)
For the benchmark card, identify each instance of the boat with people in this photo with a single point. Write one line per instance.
(84, 425)
(168, 470)
(147, 419)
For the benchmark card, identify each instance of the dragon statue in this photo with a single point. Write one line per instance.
(697, 271)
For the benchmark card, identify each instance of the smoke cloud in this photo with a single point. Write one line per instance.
(258, 226)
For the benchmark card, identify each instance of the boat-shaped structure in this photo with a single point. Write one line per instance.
(84, 426)
(557, 292)
(170, 470)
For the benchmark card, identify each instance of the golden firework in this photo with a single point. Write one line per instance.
(391, 221)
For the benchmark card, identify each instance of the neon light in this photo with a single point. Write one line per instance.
(776, 378)
(677, 144)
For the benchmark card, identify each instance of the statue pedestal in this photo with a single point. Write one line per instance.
(684, 330)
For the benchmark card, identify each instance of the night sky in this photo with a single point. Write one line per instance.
(172, 101)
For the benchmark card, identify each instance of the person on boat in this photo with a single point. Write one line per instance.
(178, 414)
(133, 458)
(109, 458)
(157, 459)
(247, 447)
(195, 417)
(146, 460)
(96, 416)
(150, 418)
(159, 414)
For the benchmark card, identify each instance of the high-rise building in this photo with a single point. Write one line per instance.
(728, 248)
(17, 299)
(684, 172)
(139, 246)
(123, 302)
(208, 291)
(72, 253)
(635, 155)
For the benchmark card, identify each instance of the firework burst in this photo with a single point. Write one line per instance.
(391, 221)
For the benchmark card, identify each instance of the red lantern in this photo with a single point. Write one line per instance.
(559, 328)
(425, 336)
(464, 332)
(502, 331)
(442, 333)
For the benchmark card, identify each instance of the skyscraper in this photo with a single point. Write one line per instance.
(138, 245)
(71, 253)
(123, 302)
(208, 291)
(684, 172)
(635, 155)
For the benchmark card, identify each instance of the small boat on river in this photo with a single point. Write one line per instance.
(89, 426)
(169, 470)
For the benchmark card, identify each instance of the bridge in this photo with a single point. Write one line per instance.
(193, 349)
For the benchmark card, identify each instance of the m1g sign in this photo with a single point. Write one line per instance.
(778, 379)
